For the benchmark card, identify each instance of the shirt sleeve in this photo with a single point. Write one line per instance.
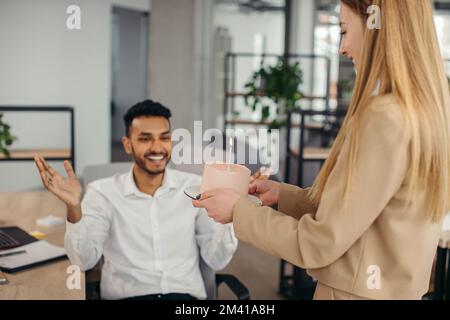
(295, 201)
(217, 242)
(84, 240)
(317, 240)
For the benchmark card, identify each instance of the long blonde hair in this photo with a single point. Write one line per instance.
(404, 56)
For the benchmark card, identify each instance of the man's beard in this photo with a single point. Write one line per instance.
(141, 164)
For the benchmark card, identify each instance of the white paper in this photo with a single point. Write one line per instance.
(37, 251)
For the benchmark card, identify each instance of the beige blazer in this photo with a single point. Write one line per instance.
(374, 248)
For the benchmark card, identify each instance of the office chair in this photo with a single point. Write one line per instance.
(211, 280)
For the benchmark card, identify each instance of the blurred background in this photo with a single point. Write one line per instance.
(194, 56)
(63, 92)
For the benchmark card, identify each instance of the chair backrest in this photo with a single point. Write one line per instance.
(96, 172)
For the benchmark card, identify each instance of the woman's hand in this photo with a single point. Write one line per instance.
(219, 204)
(266, 190)
(262, 173)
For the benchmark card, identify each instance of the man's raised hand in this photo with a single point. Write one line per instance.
(67, 189)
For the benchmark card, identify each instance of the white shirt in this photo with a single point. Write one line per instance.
(151, 245)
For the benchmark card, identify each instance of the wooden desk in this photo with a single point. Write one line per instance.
(47, 282)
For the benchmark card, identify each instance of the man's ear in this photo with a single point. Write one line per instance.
(126, 142)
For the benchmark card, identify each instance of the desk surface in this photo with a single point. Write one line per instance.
(47, 281)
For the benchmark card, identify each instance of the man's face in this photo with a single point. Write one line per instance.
(149, 142)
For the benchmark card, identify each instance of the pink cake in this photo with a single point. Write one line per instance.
(217, 175)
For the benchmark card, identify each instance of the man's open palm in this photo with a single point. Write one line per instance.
(67, 189)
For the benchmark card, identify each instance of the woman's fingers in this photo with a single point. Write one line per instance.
(252, 188)
(207, 194)
(201, 202)
(197, 204)
(265, 173)
(255, 176)
(258, 174)
(205, 197)
(264, 177)
(262, 173)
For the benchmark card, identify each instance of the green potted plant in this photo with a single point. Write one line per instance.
(6, 139)
(277, 83)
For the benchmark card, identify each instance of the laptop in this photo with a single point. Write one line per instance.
(12, 237)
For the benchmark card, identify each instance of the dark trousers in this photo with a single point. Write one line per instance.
(164, 297)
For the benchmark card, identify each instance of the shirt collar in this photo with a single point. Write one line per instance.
(169, 183)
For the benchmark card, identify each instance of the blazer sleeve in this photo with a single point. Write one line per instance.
(294, 201)
(317, 240)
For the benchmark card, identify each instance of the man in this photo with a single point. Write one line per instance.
(150, 235)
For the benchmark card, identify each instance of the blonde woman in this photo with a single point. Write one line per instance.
(369, 226)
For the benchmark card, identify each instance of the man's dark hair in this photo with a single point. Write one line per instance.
(147, 108)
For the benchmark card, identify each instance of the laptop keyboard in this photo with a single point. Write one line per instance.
(7, 241)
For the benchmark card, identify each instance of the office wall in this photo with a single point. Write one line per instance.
(171, 73)
(44, 63)
(130, 65)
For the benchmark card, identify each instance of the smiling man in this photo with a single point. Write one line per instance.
(148, 140)
(141, 222)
